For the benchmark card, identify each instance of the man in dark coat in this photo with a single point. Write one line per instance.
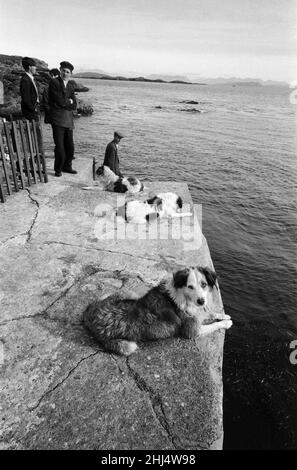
(29, 91)
(54, 73)
(111, 158)
(62, 102)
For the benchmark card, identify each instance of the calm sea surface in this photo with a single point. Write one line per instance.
(238, 156)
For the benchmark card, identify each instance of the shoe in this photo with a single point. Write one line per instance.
(58, 174)
(70, 170)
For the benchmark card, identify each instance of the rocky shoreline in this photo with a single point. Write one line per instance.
(11, 71)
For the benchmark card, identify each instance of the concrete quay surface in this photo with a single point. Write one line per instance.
(59, 388)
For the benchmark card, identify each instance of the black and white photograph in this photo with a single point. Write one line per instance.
(148, 209)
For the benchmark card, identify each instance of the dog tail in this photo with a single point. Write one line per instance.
(120, 346)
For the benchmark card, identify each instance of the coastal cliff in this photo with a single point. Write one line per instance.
(11, 71)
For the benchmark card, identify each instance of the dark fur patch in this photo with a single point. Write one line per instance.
(133, 181)
(180, 278)
(152, 200)
(179, 202)
(151, 217)
(119, 187)
(100, 170)
(210, 275)
(156, 201)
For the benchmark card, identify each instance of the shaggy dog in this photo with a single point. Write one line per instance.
(163, 205)
(172, 308)
(111, 182)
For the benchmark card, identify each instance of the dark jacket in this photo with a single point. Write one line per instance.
(111, 158)
(29, 98)
(59, 102)
(45, 106)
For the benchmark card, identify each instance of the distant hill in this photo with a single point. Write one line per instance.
(168, 78)
(236, 81)
(104, 76)
(98, 75)
(193, 79)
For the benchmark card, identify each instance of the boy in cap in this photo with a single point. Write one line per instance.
(111, 158)
(62, 102)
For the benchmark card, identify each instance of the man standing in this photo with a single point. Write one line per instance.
(54, 73)
(62, 102)
(29, 91)
(30, 96)
(111, 154)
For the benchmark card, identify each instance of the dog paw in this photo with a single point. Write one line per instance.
(227, 324)
(222, 316)
(128, 347)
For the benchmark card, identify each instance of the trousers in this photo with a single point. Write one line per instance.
(64, 148)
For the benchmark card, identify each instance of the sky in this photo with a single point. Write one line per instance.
(194, 38)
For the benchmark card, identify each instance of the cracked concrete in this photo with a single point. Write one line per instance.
(34, 201)
(155, 400)
(59, 389)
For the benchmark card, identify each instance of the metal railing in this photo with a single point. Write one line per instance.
(22, 159)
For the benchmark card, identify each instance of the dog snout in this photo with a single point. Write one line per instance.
(200, 301)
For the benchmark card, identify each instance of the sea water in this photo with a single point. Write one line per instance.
(235, 146)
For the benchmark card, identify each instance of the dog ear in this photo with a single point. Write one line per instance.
(179, 202)
(180, 278)
(152, 200)
(159, 204)
(210, 275)
(156, 201)
(100, 170)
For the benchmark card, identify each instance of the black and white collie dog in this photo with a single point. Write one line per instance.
(109, 181)
(162, 205)
(172, 308)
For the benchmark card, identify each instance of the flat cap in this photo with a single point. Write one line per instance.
(119, 135)
(66, 65)
(28, 62)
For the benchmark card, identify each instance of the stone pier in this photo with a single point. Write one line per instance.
(59, 388)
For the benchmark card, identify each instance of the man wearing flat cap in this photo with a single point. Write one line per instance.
(30, 96)
(111, 158)
(62, 103)
(28, 90)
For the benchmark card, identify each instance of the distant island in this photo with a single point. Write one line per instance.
(185, 80)
(103, 76)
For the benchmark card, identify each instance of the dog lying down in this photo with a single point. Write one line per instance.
(107, 180)
(163, 205)
(172, 308)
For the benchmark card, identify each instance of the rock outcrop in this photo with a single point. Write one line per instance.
(11, 71)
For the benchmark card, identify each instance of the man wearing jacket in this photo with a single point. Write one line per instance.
(54, 73)
(111, 158)
(29, 91)
(62, 102)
